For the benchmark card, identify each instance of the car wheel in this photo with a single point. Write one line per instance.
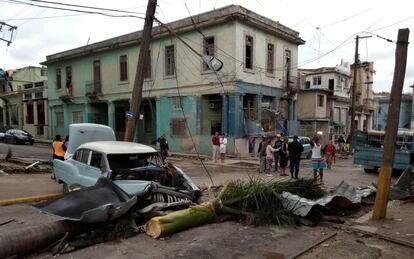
(65, 188)
(5, 140)
(31, 142)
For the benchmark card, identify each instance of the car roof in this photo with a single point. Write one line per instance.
(118, 147)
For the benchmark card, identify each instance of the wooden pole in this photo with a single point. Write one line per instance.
(381, 199)
(139, 77)
(353, 97)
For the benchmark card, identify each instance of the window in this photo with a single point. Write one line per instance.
(287, 66)
(317, 80)
(97, 161)
(147, 68)
(30, 114)
(248, 60)
(27, 86)
(321, 100)
(96, 72)
(307, 85)
(77, 117)
(208, 49)
(270, 58)
(39, 84)
(178, 126)
(148, 118)
(331, 84)
(176, 102)
(43, 72)
(58, 78)
(68, 71)
(38, 95)
(28, 96)
(123, 68)
(336, 114)
(85, 156)
(59, 119)
(169, 61)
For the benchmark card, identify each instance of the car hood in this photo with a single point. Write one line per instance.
(80, 133)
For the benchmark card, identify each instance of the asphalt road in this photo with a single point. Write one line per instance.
(39, 151)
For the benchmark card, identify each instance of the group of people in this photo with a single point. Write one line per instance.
(280, 152)
(219, 144)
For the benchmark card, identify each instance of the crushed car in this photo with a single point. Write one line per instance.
(135, 169)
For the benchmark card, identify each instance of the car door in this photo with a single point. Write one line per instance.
(94, 168)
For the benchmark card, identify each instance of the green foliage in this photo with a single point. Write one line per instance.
(260, 201)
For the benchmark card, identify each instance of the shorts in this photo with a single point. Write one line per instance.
(318, 163)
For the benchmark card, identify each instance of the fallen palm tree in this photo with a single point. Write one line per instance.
(256, 201)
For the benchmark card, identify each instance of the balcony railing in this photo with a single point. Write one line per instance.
(93, 88)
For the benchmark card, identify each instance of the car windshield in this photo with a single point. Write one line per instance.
(125, 161)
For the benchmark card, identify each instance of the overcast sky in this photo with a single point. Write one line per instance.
(328, 27)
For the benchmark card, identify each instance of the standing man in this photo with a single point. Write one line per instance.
(277, 145)
(318, 163)
(261, 153)
(215, 141)
(163, 146)
(295, 151)
(341, 142)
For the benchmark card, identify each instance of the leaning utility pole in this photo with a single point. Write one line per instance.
(353, 92)
(139, 77)
(383, 189)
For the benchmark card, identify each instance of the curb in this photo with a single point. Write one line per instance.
(37, 198)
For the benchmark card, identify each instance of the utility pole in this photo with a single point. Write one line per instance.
(139, 77)
(381, 199)
(353, 97)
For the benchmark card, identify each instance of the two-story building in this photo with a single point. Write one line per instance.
(324, 100)
(24, 101)
(182, 96)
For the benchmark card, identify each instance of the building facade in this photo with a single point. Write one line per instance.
(24, 102)
(324, 101)
(182, 97)
(365, 105)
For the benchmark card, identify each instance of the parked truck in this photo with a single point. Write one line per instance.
(368, 150)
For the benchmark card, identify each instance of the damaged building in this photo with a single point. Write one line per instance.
(253, 94)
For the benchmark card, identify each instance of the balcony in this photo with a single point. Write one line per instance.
(66, 95)
(93, 90)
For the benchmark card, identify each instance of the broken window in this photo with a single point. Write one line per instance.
(178, 126)
(270, 58)
(249, 107)
(208, 49)
(58, 78)
(169, 61)
(248, 61)
(123, 68)
(287, 66)
(147, 65)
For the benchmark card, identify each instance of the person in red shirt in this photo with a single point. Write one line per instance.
(329, 151)
(215, 141)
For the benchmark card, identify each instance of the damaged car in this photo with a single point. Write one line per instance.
(137, 169)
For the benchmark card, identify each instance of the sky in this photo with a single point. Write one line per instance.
(328, 27)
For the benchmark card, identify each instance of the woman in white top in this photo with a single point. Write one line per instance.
(223, 144)
(318, 163)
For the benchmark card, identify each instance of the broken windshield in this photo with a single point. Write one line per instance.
(126, 161)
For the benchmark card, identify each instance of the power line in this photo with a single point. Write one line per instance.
(400, 21)
(346, 19)
(87, 7)
(76, 10)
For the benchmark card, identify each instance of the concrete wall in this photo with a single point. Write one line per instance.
(308, 105)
